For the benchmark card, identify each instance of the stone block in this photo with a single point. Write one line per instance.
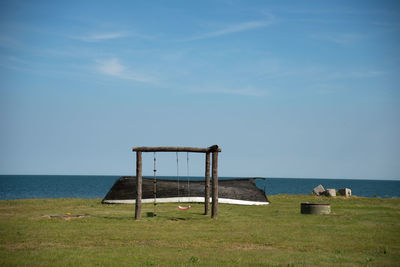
(345, 192)
(330, 192)
(319, 190)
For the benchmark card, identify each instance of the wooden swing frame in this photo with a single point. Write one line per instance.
(208, 150)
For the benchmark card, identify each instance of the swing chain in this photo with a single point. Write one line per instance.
(187, 173)
(177, 173)
(155, 183)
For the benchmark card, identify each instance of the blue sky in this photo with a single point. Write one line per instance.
(285, 88)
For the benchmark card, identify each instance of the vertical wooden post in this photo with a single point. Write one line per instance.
(207, 186)
(214, 212)
(138, 206)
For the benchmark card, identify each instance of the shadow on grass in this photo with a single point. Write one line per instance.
(117, 218)
(178, 219)
(148, 215)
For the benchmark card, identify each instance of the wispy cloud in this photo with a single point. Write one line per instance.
(339, 38)
(246, 91)
(340, 11)
(112, 67)
(15, 63)
(97, 37)
(231, 29)
(9, 42)
(358, 74)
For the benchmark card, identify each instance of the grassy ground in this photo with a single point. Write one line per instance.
(358, 232)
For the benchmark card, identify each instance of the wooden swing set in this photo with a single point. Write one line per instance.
(208, 150)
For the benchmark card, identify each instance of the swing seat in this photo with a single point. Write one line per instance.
(184, 208)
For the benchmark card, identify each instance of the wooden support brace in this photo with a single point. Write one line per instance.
(138, 205)
(214, 212)
(207, 186)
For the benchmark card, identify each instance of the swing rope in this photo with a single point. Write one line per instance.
(155, 184)
(177, 174)
(187, 173)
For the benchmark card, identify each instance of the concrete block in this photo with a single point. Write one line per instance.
(319, 190)
(330, 192)
(345, 192)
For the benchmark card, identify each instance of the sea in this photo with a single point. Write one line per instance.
(94, 186)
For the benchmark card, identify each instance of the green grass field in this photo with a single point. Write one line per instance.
(358, 232)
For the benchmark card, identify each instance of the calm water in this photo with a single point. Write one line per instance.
(85, 186)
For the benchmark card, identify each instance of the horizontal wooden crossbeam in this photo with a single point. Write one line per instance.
(213, 148)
